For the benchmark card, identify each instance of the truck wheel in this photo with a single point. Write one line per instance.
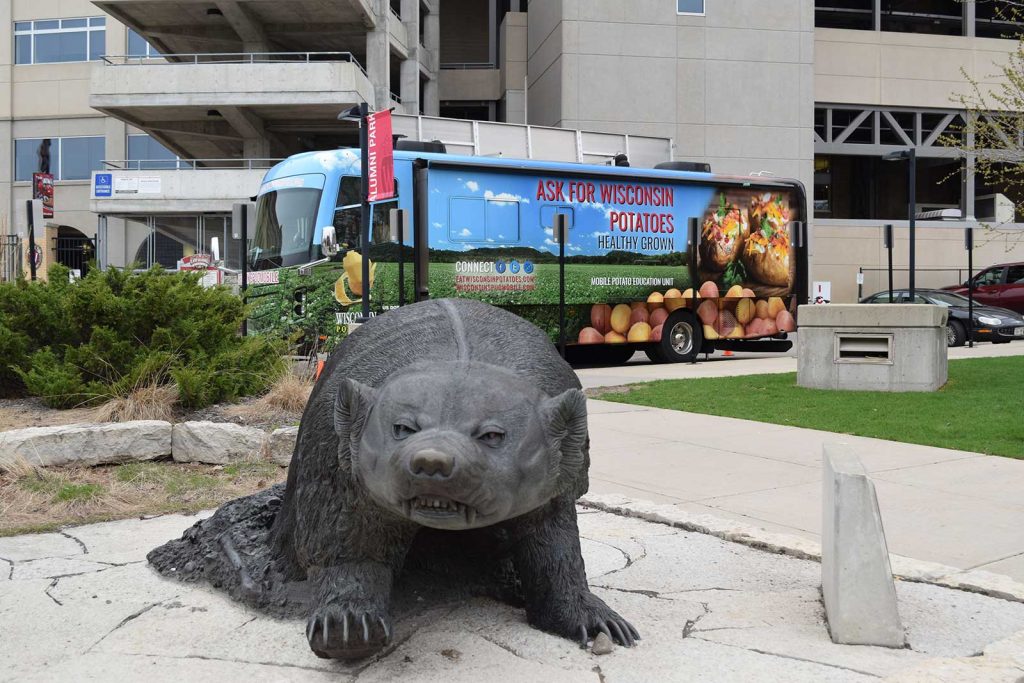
(956, 335)
(681, 338)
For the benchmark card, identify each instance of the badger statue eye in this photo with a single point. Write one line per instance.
(403, 431)
(492, 438)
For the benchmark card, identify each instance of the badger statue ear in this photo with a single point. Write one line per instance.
(565, 419)
(351, 408)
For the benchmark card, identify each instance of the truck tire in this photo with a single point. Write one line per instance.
(682, 338)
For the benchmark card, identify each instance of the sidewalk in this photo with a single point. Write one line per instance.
(953, 507)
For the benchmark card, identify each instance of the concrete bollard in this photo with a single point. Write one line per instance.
(856, 579)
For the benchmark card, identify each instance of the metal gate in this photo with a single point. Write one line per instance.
(10, 258)
(75, 252)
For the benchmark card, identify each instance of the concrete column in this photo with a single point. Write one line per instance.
(6, 94)
(409, 88)
(256, 148)
(378, 53)
(432, 60)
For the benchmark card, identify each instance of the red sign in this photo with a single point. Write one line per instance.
(381, 157)
(42, 188)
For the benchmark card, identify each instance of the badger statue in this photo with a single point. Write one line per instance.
(445, 444)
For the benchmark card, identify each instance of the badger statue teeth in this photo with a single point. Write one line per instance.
(446, 442)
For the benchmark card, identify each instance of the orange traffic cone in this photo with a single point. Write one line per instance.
(319, 369)
(727, 353)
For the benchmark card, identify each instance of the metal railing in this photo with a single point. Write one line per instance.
(187, 164)
(10, 258)
(463, 66)
(233, 58)
(394, 97)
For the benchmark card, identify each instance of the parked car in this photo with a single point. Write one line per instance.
(1001, 285)
(991, 323)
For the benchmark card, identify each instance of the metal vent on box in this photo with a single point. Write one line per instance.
(863, 348)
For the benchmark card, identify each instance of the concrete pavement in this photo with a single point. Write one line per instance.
(83, 605)
(953, 507)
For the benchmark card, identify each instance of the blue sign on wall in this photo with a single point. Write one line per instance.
(103, 185)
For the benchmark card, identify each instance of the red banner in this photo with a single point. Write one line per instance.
(42, 188)
(381, 159)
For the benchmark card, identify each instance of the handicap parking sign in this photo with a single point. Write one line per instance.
(103, 185)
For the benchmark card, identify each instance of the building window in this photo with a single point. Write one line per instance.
(138, 47)
(146, 154)
(690, 7)
(944, 17)
(852, 14)
(998, 19)
(59, 40)
(64, 158)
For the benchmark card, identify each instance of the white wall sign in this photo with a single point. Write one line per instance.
(821, 292)
(126, 185)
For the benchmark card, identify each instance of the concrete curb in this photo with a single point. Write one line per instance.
(903, 568)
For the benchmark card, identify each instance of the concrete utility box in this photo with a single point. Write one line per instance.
(872, 347)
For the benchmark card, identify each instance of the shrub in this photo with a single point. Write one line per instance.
(114, 333)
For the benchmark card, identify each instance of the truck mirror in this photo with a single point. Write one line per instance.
(328, 241)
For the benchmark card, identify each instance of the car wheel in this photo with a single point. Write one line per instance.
(956, 335)
(681, 339)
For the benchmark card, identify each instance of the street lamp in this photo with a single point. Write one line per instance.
(358, 114)
(910, 154)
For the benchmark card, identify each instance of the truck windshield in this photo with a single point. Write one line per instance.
(285, 221)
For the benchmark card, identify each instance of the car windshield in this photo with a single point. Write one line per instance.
(947, 299)
(285, 222)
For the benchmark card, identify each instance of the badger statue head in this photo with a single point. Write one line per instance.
(461, 444)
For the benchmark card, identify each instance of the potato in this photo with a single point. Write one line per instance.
(614, 337)
(655, 301)
(640, 332)
(755, 328)
(658, 317)
(735, 291)
(620, 318)
(775, 304)
(638, 304)
(745, 311)
(708, 312)
(709, 332)
(673, 293)
(638, 315)
(737, 333)
(674, 299)
(656, 333)
(725, 324)
(761, 309)
(748, 292)
(770, 327)
(690, 294)
(600, 317)
(785, 321)
(588, 335)
(709, 290)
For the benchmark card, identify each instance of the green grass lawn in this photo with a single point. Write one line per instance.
(981, 408)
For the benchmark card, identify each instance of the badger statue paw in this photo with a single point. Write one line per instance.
(348, 630)
(583, 617)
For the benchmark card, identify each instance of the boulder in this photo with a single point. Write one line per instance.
(87, 444)
(281, 445)
(214, 443)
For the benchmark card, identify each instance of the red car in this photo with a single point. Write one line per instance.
(1001, 285)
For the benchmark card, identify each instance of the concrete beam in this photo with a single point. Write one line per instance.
(255, 144)
(856, 579)
(213, 130)
(252, 33)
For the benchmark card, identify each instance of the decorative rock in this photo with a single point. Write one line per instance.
(602, 645)
(214, 443)
(87, 444)
(281, 445)
(856, 579)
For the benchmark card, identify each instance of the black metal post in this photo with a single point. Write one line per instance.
(693, 225)
(400, 214)
(887, 236)
(562, 233)
(969, 243)
(364, 208)
(912, 160)
(244, 231)
(860, 283)
(31, 239)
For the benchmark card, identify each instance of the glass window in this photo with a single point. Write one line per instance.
(690, 6)
(36, 155)
(944, 17)
(854, 14)
(380, 224)
(150, 154)
(138, 47)
(284, 228)
(81, 156)
(59, 40)
(992, 276)
(1015, 275)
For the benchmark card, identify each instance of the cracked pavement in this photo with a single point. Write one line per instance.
(82, 604)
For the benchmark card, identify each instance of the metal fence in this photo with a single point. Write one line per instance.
(233, 58)
(75, 252)
(10, 258)
(187, 164)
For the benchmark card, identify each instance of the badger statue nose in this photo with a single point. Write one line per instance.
(431, 463)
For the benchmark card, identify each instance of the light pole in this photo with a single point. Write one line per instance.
(910, 154)
(359, 113)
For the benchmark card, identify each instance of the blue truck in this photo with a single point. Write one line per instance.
(671, 262)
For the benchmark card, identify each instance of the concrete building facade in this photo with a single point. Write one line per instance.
(818, 90)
